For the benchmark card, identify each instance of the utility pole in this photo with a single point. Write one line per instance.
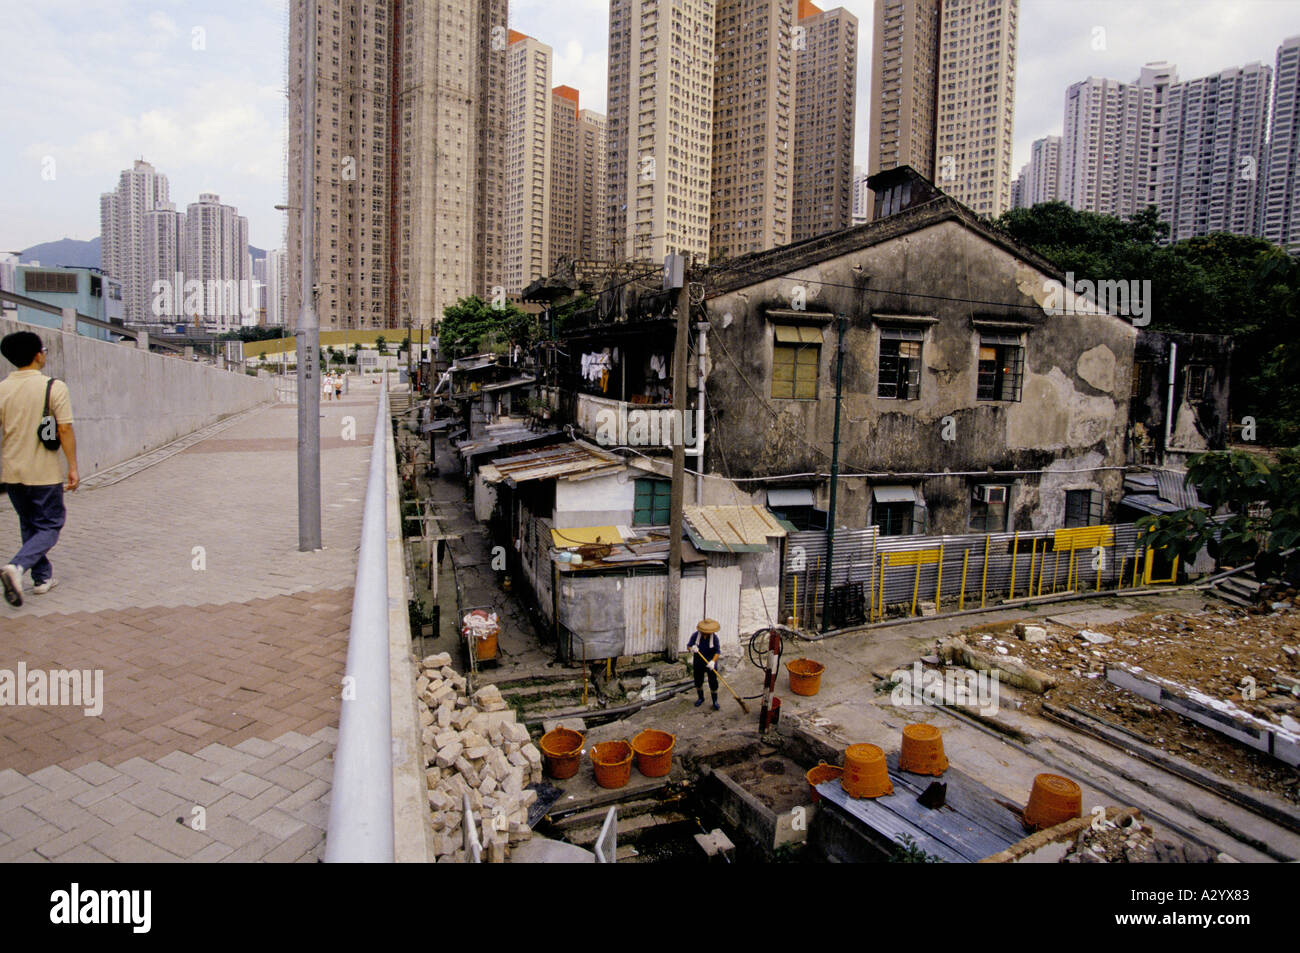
(675, 277)
(308, 331)
(835, 469)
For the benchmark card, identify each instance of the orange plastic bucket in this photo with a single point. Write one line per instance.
(1053, 801)
(563, 749)
(612, 761)
(805, 676)
(922, 751)
(822, 773)
(485, 650)
(865, 772)
(654, 752)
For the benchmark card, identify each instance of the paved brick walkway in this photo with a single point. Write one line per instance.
(221, 647)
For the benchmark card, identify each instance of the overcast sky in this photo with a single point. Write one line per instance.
(197, 88)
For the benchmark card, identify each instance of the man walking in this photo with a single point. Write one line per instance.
(32, 472)
(706, 648)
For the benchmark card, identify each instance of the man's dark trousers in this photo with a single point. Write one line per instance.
(40, 517)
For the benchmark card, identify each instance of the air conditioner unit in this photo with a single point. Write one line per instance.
(991, 493)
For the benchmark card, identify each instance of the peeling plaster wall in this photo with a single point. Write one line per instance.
(1073, 411)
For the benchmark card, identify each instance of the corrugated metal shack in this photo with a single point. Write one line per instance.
(599, 575)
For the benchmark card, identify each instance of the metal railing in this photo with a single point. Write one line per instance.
(361, 823)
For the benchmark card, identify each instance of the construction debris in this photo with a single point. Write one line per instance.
(1133, 842)
(474, 747)
(1219, 652)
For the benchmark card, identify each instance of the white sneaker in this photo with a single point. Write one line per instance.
(42, 588)
(12, 579)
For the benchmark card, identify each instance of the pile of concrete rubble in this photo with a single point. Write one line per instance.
(474, 747)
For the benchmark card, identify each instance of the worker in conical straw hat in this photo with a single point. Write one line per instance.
(705, 649)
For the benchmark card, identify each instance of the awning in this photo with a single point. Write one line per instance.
(894, 494)
(784, 498)
(730, 529)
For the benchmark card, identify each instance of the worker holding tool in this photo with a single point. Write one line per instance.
(706, 647)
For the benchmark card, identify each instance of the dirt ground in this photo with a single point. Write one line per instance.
(1212, 651)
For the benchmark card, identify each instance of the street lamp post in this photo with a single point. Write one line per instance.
(308, 330)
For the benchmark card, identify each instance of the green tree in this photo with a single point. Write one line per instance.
(381, 345)
(1213, 284)
(471, 325)
(1262, 502)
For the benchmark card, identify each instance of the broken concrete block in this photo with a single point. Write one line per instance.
(447, 756)
(437, 821)
(486, 693)
(452, 820)
(447, 672)
(488, 784)
(517, 759)
(499, 763)
(479, 751)
(421, 684)
(444, 738)
(516, 732)
(466, 771)
(445, 713)
(1031, 633)
(1096, 638)
(432, 776)
(527, 798)
(462, 701)
(441, 800)
(476, 800)
(441, 694)
(436, 661)
(513, 782)
(429, 736)
(531, 754)
(464, 718)
(426, 717)
(472, 739)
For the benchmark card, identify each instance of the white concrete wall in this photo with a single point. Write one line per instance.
(126, 401)
(600, 501)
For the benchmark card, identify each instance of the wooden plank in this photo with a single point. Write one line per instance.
(970, 826)
(966, 795)
(874, 815)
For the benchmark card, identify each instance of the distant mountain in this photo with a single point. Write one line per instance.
(68, 251)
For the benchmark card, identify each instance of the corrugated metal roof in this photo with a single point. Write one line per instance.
(730, 529)
(498, 437)
(563, 460)
(1148, 503)
(1173, 489)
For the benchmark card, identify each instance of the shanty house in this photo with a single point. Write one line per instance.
(589, 535)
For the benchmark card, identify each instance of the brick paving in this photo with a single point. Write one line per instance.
(221, 647)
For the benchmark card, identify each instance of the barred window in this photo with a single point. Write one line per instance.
(900, 364)
(1001, 367)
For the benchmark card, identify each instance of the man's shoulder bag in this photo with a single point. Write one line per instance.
(47, 431)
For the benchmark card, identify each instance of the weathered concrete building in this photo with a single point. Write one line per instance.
(1174, 416)
(979, 394)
